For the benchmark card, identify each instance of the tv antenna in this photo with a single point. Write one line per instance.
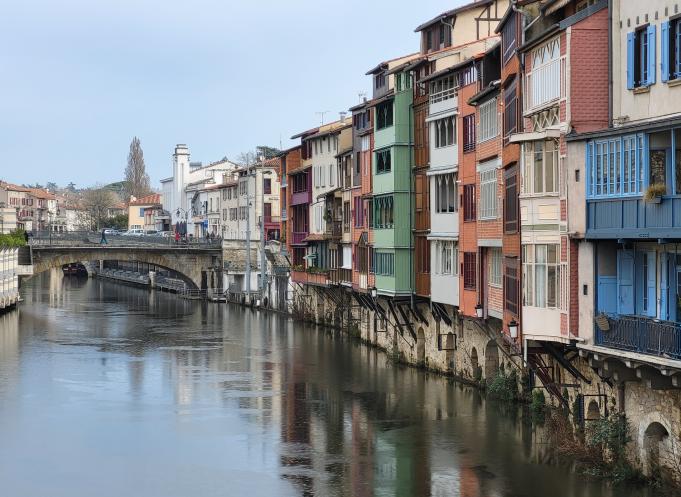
(322, 114)
(362, 96)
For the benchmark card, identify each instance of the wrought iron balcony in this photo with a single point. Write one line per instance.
(334, 228)
(643, 335)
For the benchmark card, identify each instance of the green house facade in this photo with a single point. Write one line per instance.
(392, 195)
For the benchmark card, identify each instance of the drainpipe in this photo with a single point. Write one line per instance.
(610, 64)
(411, 201)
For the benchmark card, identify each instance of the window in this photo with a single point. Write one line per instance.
(299, 183)
(332, 175)
(384, 114)
(510, 108)
(511, 287)
(469, 271)
(422, 252)
(445, 193)
(445, 132)
(141, 212)
(544, 81)
(641, 52)
(542, 276)
(616, 166)
(469, 133)
(511, 200)
(508, 41)
(384, 263)
(488, 194)
(489, 120)
(429, 40)
(383, 212)
(267, 186)
(541, 167)
(447, 255)
(379, 80)
(469, 202)
(494, 269)
(469, 75)
(358, 211)
(383, 164)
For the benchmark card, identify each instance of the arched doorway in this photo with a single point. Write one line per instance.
(491, 359)
(474, 363)
(656, 438)
(420, 346)
(593, 412)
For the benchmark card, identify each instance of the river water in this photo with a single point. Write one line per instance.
(109, 390)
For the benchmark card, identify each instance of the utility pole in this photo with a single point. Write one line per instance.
(263, 264)
(248, 233)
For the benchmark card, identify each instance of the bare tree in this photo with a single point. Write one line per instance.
(96, 203)
(253, 156)
(136, 177)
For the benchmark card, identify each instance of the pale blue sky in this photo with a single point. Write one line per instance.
(80, 78)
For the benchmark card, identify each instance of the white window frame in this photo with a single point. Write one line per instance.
(449, 139)
(489, 200)
(495, 267)
(446, 193)
(447, 258)
(543, 272)
(489, 121)
(549, 148)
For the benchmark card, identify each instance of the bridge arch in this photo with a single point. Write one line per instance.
(197, 266)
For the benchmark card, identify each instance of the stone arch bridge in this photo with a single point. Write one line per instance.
(199, 264)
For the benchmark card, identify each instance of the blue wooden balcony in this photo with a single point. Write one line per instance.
(642, 335)
(632, 217)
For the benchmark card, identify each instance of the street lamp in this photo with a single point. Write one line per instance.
(374, 292)
(513, 328)
(478, 311)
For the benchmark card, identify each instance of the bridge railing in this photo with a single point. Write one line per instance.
(90, 239)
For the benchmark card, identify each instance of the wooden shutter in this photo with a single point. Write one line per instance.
(631, 41)
(664, 63)
(652, 51)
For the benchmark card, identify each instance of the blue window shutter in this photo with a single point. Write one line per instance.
(630, 59)
(664, 53)
(589, 169)
(652, 50)
(625, 281)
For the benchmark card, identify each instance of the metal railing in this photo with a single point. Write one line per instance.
(443, 95)
(92, 239)
(643, 335)
(334, 228)
(298, 237)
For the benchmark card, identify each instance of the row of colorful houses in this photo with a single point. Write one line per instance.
(520, 172)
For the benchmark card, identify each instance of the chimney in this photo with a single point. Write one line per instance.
(342, 115)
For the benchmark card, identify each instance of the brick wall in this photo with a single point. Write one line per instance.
(589, 63)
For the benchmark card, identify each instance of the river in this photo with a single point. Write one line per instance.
(110, 390)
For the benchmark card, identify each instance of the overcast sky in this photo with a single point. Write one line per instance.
(80, 78)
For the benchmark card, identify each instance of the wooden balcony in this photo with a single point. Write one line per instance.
(334, 229)
(643, 335)
(632, 217)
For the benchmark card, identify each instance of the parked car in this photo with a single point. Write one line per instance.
(134, 232)
(112, 231)
(151, 232)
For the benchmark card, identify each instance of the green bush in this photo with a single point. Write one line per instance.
(538, 404)
(503, 386)
(13, 239)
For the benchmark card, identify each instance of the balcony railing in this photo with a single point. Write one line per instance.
(643, 335)
(334, 228)
(272, 219)
(443, 95)
(298, 237)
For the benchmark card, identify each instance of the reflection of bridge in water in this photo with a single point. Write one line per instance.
(198, 262)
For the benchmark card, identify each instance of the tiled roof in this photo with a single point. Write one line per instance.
(11, 186)
(154, 198)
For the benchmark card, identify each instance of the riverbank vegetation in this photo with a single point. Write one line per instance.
(14, 239)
